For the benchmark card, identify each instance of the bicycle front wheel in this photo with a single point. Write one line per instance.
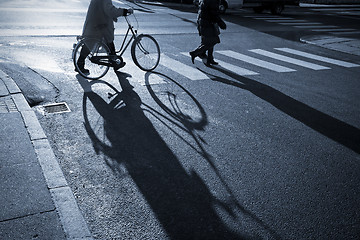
(145, 52)
(91, 58)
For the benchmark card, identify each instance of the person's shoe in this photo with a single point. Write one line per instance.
(211, 62)
(193, 56)
(81, 66)
(83, 70)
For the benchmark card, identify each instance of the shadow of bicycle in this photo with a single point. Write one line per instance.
(180, 199)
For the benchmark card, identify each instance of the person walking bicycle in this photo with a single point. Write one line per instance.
(99, 24)
(208, 22)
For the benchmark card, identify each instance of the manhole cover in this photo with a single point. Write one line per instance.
(56, 108)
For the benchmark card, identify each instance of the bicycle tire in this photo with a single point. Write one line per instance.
(145, 52)
(95, 48)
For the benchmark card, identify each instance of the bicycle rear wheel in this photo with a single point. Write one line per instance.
(145, 52)
(83, 56)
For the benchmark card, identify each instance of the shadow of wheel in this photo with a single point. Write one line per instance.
(178, 102)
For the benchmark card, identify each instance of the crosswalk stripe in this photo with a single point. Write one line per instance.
(253, 15)
(255, 61)
(301, 23)
(289, 59)
(333, 30)
(323, 27)
(181, 68)
(334, 9)
(343, 30)
(284, 20)
(319, 58)
(228, 66)
(272, 18)
(236, 69)
(347, 33)
(261, 16)
(139, 75)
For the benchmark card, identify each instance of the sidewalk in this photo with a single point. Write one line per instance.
(35, 200)
(341, 44)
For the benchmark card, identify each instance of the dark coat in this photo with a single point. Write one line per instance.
(100, 19)
(209, 21)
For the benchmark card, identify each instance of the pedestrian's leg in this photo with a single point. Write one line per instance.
(200, 51)
(117, 62)
(81, 60)
(210, 58)
(112, 48)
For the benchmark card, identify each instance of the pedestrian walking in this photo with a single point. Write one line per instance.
(99, 24)
(208, 23)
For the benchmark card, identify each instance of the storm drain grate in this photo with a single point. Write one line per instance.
(56, 108)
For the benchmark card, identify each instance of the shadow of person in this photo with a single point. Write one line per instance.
(180, 200)
(337, 130)
(191, 125)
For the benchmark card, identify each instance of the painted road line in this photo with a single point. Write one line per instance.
(334, 9)
(323, 27)
(319, 58)
(261, 16)
(334, 30)
(301, 23)
(317, 26)
(236, 69)
(283, 20)
(183, 69)
(272, 18)
(228, 66)
(347, 33)
(140, 76)
(289, 59)
(255, 61)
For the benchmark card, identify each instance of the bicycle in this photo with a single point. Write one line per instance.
(145, 52)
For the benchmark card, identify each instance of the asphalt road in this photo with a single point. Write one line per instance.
(258, 148)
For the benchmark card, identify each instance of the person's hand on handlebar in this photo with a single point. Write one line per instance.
(128, 12)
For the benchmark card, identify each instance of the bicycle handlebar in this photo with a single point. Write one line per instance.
(129, 12)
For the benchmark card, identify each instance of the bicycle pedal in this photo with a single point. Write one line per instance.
(118, 66)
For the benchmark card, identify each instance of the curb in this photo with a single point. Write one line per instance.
(70, 215)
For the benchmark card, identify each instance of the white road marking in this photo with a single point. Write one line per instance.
(255, 61)
(289, 59)
(319, 58)
(181, 68)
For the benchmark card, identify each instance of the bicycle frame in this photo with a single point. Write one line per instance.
(134, 35)
(97, 59)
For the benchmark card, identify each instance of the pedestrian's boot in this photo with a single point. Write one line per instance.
(193, 56)
(81, 66)
(199, 52)
(211, 61)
